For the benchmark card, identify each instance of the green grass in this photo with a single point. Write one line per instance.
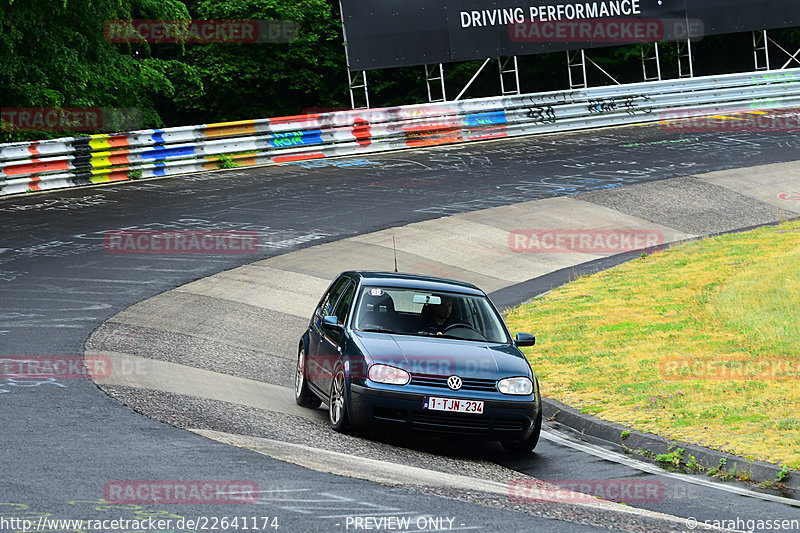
(700, 343)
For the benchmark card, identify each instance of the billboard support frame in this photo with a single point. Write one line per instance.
(354, 85)
(576, 59)
(502, 67)
(761, 44)
(579, 61)
(656, 58)
(431, 76)
(685, 52)
(792, 57)
(472, 79)
(685, 59)
(502, 70)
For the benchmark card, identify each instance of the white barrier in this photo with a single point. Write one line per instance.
(91, 159)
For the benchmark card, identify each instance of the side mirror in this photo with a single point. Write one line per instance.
(331, 322)
(524, 339)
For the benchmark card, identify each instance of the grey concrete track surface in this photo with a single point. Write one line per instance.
(63, 439)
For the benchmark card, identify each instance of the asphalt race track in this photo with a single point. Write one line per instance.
(62, 441)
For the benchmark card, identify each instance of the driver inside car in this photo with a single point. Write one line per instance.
(437, 318)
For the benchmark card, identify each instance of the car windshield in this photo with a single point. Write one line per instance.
(436, 314)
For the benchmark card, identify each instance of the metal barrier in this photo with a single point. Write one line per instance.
(74, 161)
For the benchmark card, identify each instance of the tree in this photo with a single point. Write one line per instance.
(256, 80)
(55, 54)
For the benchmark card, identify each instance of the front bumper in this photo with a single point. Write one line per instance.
(501, 419)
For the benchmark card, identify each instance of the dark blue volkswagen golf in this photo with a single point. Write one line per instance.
(421, 353)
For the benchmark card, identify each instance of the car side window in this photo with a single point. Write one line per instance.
(346, 301)
(330, 299)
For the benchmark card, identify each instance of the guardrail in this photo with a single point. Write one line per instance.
(75, 161)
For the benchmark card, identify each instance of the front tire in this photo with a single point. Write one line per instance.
(337, 404)
(527, 445)
(302, 394)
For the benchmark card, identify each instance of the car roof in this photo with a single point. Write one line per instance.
(414, 281)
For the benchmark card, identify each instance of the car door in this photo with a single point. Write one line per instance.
(330, 345)
(316, 333)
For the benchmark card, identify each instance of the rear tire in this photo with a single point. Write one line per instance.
(527, 445)
(302, 394)
(337, 404)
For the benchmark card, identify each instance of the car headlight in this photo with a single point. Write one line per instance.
(388, 375)
(517, 386)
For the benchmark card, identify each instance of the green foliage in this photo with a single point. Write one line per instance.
(783, 475)
(720, 473)
(255, 80)
(674, 458)
(692, 465)
(55, 55)
(226, 161)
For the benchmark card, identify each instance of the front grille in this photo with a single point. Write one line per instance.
(505, 424)
(451, 422)
(484, 385)
(464, 424)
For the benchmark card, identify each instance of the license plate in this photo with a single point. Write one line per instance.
(433, 403)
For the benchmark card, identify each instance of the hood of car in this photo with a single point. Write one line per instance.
(444, 357)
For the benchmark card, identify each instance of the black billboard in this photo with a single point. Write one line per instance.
(396, 33)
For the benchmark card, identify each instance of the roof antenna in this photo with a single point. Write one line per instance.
(394, 248)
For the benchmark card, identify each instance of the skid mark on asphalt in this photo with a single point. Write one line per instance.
(326, 501)
(9, 384)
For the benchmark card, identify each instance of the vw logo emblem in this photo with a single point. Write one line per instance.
(454, 382)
